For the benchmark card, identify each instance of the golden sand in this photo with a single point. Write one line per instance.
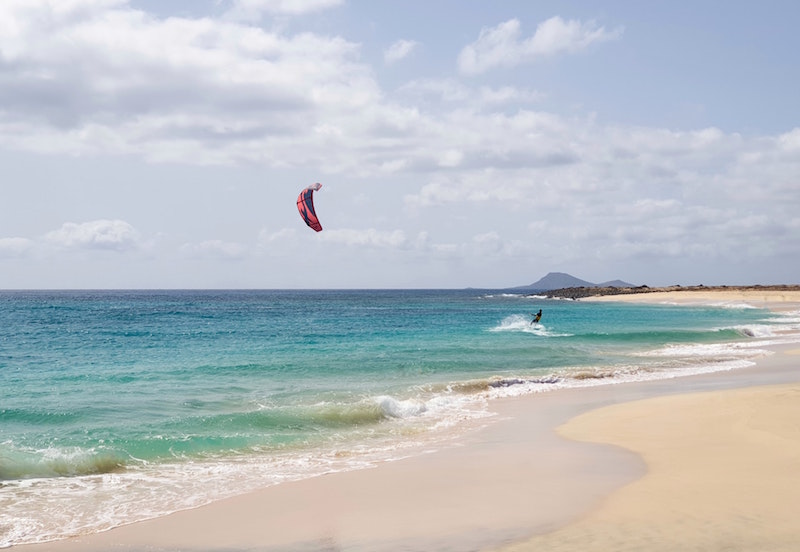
(723, 475)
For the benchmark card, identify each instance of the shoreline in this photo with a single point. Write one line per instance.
(788, 292)
(726, 483)
(778, 300)
(493, 487)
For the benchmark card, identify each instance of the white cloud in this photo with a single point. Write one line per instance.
(555, 36)
(475, 187)
(399, 50)
(265, 236)
(370, 237)
(790, 141)
(113, 80)
(487, 244)
(508, 94)
(97, 234)
(201, 91)
(479, 98)
(447, 90)
(673, 194)
(15, 247)
(501, 46)
(252, 9)
(216, 249)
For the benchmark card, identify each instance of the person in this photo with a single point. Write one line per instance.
(537, 317)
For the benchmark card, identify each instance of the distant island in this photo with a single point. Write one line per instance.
(561, 280)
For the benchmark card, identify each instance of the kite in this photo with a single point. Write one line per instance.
(305, 204)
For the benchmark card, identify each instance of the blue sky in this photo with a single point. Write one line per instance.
(162, 144)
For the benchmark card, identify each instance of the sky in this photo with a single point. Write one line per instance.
(459, 143)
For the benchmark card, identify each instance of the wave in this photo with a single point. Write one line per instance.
(602, 375)
(518, 323)
(778, 324)
(521, 323)
(484, 386)
(37, 417)
(16, 463)
(366, 411)
(728, 305)
(756, 330)
(261, 428)
(510, 295)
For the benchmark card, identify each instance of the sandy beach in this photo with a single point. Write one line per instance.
(707, 462)
(775, 300)
(722, 474)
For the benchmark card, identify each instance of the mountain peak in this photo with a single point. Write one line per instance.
(559, 280)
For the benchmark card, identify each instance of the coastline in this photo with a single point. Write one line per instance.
(508, 482)
(760, 296)
(777, 300)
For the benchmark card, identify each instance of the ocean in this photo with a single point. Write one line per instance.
(119, 406)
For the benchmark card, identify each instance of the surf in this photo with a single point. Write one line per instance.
(519, 323)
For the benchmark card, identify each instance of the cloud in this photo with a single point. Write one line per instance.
(508, 95)
(789, 142)
(112, 80)
(15, 247)
(501, 46)
(115, 235)
(370, 238)
(216, 249)
(109, 79)
(399, 50)
(454, 92)
(265, 236)
(627, 192)
(252, 9)
(487, 244)
(472, 187)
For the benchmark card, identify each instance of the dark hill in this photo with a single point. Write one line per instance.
(561, 280)
(615, 283)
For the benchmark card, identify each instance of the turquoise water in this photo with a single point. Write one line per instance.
(120, 406)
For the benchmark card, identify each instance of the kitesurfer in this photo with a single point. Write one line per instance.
(537, 317)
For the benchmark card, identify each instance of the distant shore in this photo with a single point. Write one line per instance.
(748, 291)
